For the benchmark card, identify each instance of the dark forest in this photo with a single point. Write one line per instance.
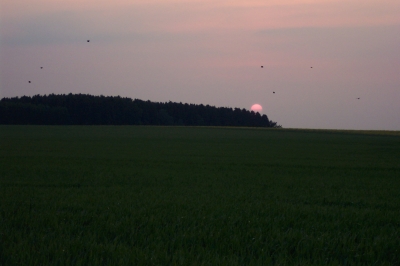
(83, 109)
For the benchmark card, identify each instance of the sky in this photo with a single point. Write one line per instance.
(318, 56)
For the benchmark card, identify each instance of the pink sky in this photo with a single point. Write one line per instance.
(210, 52)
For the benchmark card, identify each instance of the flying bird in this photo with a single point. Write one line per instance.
(311, 67)
(88, 40)
(358, 98)
(29, 81)
(41, 67)
(273, 92)
(262, 66)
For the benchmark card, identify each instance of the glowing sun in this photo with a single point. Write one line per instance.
(256, 108)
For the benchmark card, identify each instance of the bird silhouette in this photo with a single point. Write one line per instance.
(358, 98)
(262, 66)
(41, 67)
(88, 40)
(29, 81)
(273, 92)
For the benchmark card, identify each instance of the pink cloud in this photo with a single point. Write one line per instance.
(190, 15)
(254, 15)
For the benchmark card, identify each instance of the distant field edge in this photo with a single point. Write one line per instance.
(353, 131)
(316, 130)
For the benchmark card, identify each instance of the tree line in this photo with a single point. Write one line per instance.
(84, 109)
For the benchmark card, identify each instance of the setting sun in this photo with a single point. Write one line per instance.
(256, 108)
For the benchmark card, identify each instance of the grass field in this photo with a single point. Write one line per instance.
(108, 195)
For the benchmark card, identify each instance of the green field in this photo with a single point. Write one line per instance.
(126, 195)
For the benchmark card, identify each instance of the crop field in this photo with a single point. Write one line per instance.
(135, 195)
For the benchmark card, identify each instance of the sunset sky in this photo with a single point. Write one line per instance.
(317, 56)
